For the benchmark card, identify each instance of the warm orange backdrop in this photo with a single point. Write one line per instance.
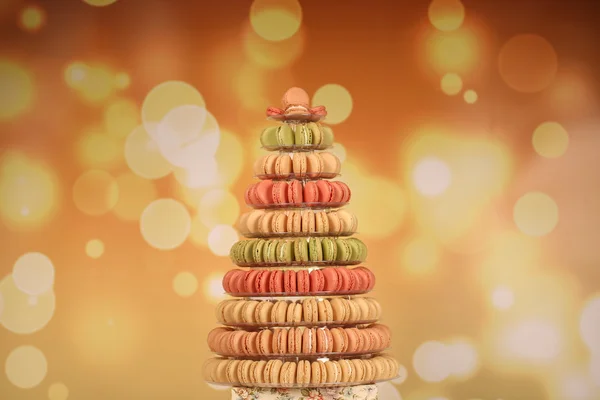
(468, 133)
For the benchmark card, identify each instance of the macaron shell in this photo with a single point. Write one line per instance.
(268, 137)
(283, 165)
(325, 191)
(264, 192)
(330, 278)
(331, 163)
(337, 192)
(295, 192)
(302, 281)
(279, 192)
(269, 164)
(284, 135)
(299, 164)
(311, 192)
(317, 281)
(314, 165)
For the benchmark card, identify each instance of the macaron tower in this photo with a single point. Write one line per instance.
(299, 321)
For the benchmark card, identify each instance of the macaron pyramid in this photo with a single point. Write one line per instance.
(299, 319)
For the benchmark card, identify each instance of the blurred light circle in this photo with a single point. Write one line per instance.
(165, 224)
(165, 97)
(402, 376)
(457, 51)
(213, 288)
(17, 91)
(29, 192)
(95, 192)
(122, 80)
(431, 176)
(535, 341)
(339, 150)
(187, 133)
(430, 361)
(121, 117)
(98, 150)
(221, 238)
(33, 273)
(58, 391)
(135, 193)
(26, 367)
(99, 3)
(276, 20)
(446, 15)
(25, 314)
(32, 18)
(96, 85)
(463, 359)
(230, 158)
(535, 214)
(550, 139)
(204, 172)
(503, 298)
(75, 74)
(470, 96)
(451, 84)
(185, 284)
(94, 248)
(589, 324)
(421, 255)
(144, 157)
(336, 99)
(387, 391)
(272, 55)
(1, 305)
(528, 63)
(218, 207)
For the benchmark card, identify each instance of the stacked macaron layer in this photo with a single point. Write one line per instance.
(275, 223)
(300, 251)
(302, 373)
(299, 341)
(277, 282)
(309, 311)
(321, 193)
(314, 165)
(309, 135)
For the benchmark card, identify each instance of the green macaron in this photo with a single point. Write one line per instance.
(329, 249)
(327, 135)
(285, 135)
(247, 251)
(303, 135)
(268, 137)
(285, 251)
(236, 252)
(270, 251)
(315, 249)
(362, 248)
(355, 250)
(301, 250)
(344, 250)
(258, 250)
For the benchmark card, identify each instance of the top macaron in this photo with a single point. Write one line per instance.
(296, 108)
(300, 137)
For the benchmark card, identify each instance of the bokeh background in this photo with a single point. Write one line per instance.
(469, 134)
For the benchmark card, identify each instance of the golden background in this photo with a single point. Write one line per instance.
(468, 133)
